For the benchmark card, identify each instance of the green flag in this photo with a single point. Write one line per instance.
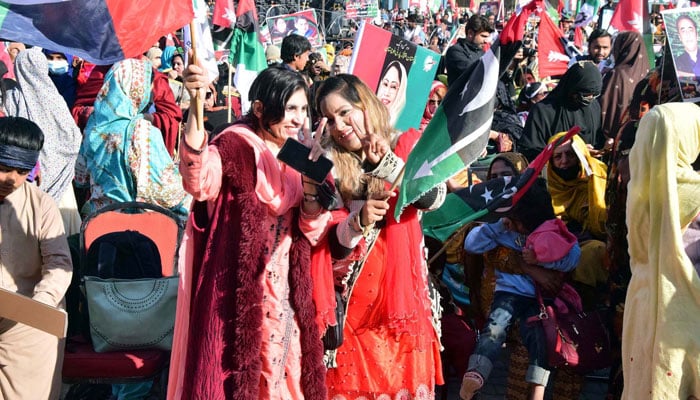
(247, 53)
(458, 132)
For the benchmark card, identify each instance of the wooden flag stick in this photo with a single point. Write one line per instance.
(228, 94)
(199, 106)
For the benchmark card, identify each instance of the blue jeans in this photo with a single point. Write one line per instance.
(506, 307)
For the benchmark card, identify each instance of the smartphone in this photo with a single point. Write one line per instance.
(296, 155)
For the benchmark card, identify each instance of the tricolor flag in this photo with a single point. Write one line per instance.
(203, 40)
(458, 132)
(247, 52)
(586, 13)
(99, 31)
(486, 201)
(628, 16)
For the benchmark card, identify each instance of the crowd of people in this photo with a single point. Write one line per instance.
(269, 254)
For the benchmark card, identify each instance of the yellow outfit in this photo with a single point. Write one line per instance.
(660, 341)
(581, 199)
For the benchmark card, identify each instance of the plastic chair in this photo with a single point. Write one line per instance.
(81, 363)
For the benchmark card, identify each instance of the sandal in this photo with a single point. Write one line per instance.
(471, 383)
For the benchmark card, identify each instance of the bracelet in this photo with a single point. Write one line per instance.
(364, 229)
(355, 224)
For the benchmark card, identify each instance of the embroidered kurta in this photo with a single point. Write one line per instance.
(279, 188)
(384, 356)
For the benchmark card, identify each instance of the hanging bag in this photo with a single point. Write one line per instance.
(130, 304)
(575, 339)
(333, 337)
(131, 314)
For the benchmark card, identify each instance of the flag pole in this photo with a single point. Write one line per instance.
(228, 94)
(393, 187)
(199, 107)
(449, 240)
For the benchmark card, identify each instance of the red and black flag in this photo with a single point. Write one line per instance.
(487, 201)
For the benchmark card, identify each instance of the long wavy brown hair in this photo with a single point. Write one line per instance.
(351, 180)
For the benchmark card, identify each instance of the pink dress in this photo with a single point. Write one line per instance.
(280, 188)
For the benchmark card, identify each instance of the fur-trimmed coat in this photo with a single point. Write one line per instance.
(223, 356)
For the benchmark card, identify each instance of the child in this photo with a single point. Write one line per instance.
(35, 262)
(532, 228)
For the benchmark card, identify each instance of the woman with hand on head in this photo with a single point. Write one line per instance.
(245, 325)
(390, 346)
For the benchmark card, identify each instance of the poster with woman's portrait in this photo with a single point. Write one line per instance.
(399, 71)
(300, 23)
(682, 33)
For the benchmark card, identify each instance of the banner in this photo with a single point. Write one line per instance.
(397, 70)
(360, 9)
(682, 35)
(302, 23)
(488, 8)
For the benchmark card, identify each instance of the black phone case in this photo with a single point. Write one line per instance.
(296, 155)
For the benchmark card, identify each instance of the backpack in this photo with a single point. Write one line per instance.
(122, 255)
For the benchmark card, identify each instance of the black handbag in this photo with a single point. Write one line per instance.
(334, 334)
(333, 338)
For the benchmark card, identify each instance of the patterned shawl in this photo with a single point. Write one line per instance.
(123, 154)
(37, 99)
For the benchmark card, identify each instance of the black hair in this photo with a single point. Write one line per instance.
(177, 54)
(21, 132)
(3, 88)
(686, 17)
(597, 34)
(273, 87)
(535, 207)
(292, 46)
(478, 23)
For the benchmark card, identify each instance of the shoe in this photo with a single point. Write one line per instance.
(471, 383)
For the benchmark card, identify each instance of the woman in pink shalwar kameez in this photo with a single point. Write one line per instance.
(245, 323)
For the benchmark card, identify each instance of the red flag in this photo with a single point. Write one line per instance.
(628, 16)
(515, 27)
(578, 37)
(551, 53)
(528, 177)
(224, 13)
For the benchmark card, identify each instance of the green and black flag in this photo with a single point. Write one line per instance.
(458, 132)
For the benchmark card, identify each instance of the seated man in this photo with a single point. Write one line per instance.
(35, 262)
